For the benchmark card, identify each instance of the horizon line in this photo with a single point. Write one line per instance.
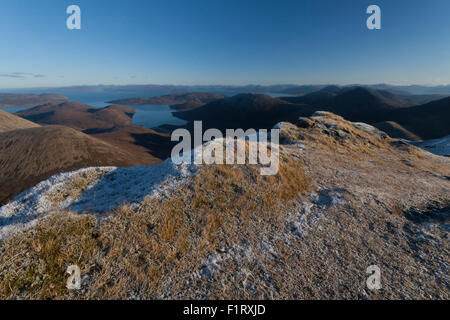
(226, 85)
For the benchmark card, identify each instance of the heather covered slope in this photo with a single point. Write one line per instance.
(28, 156)
(346, 197)
(10, 122)
(111, 124)
(79, 116)
(146, 146)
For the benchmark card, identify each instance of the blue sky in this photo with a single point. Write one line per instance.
(223, 42)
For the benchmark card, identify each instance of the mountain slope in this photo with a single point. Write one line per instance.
(355, 104)
(245, 111)
(28, 156)
(10, 122)
(429, 121)
(395, 130)
(79, 116)
(346, 197)
(147, 146)
(181, 99)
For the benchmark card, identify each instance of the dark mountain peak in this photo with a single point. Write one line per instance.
(331, 89)
(360, 91)
(251, 99)
(445, 102)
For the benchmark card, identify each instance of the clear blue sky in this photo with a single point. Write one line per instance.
(223, 42)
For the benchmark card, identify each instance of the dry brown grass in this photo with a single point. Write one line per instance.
(35, 262)
(153, 250)
(140, 251)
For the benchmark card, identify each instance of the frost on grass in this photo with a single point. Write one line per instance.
(440, 147)
(93, 190)
(100, 190)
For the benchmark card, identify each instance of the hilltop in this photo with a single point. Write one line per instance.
(346, 196)
(79, 116)
(356, 104)
(178, 101)
(246, 111)
(11, 122)
(400, 116)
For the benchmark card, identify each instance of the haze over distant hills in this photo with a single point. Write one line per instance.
(234, 89)
(9, 100)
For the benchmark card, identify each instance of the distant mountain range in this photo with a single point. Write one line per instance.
(230, 89)
(399, 116)
(180, 101)
(9, 100)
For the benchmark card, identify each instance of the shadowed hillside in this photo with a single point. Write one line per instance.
(393, 129)
(429, 121)
(246, 111)
(355, 104)
(146, 145)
